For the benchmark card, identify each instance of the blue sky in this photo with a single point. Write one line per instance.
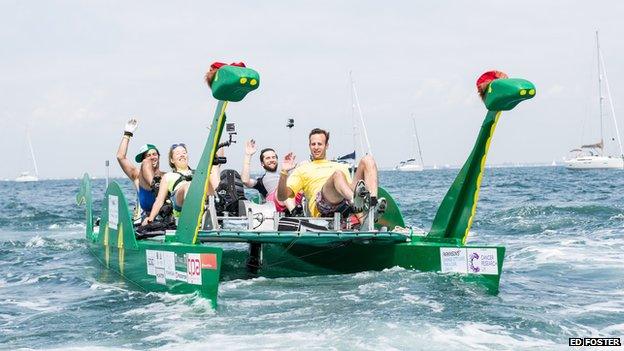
(75, 71)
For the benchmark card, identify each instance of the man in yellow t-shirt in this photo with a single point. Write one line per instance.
(327, 185)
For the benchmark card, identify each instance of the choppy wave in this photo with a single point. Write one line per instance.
(563, 277)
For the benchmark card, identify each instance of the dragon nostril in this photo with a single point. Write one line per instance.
(523, 92)
(532, 92)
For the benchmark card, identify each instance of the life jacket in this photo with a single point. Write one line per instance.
(182, 178)
(229, 192)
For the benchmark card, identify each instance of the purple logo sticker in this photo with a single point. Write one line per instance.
(474, 256)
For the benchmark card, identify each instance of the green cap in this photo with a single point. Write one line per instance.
(145, 148)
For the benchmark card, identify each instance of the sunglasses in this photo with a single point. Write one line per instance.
(176, 145)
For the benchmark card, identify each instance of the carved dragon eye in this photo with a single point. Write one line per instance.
(532, 92)
(523, 92)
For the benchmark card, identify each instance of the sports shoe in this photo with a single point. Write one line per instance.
(361, 197)
(380, 208)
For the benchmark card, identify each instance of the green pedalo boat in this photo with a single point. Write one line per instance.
(199, 253)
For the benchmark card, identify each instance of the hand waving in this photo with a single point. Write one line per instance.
(289, 162)
(250, 147)
(131, 125)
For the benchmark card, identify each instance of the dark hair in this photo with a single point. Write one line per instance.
(144, 155)
(171, 155)
(319, 131)
(263, 151)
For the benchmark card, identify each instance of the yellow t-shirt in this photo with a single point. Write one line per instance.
(311, 176)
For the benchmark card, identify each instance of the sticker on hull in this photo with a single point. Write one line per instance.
(113, 211)
(482, 261)
(193, 269)
(453, 259)
(162, 265)
(469, 260)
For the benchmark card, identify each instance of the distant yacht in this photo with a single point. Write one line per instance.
(411, 165)
(592, 156)
(26, 176)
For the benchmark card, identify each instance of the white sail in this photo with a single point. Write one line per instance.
(355, 105)
(26, 176)
(412, 165)
(592, 156)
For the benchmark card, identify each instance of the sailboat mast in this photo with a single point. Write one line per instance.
(600, 93)
(617, 130)
(422, 163)
(355, 129)
(32, 153)
(357, 104)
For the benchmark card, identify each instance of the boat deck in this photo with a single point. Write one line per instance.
(302, 237)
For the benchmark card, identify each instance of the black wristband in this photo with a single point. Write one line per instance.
(128, 134)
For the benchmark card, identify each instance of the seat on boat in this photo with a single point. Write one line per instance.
(260, 217)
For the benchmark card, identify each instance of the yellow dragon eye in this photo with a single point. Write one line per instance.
(523, 92)
(532, 92)
(243, 80)
(253, 82)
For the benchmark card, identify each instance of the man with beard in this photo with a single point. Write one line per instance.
(147, 177)
(327, 185)
(267, 183)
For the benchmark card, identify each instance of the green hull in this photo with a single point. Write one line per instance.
(194, 260)
(160, 264)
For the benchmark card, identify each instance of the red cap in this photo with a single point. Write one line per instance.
(486, 78)
(217, 65)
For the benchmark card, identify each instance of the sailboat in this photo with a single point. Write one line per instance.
(26, 176)
(411, 165)
(359, 138)
(593, 156)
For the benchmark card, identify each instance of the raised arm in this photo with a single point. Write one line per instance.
(215, 174)
(283, 191)
(126, 165)
(250, 149)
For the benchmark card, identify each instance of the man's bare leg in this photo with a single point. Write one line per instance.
(367, 171)
(337, 188)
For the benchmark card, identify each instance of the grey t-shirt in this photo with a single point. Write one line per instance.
(267, 183)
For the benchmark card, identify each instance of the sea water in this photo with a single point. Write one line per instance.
(563, 277)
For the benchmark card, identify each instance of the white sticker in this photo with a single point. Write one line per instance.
(453, 259)
(150, 256)
(159, 259)
(169, 265)
(193, 269)
(181, 276)
(482, 261)
(113, 211)
(160, 276)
